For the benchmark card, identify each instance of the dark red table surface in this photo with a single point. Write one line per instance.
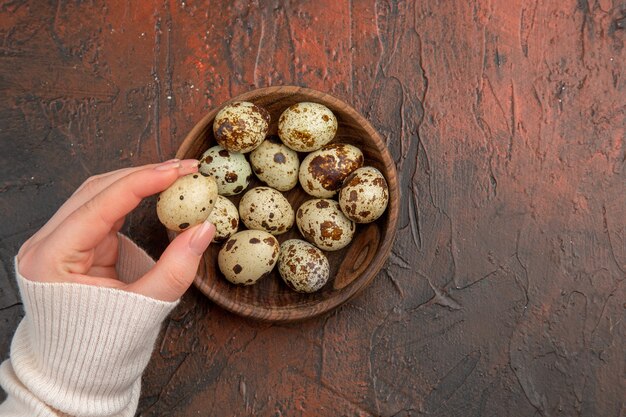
(505, 292)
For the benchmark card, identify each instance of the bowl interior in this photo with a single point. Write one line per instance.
(352, 268)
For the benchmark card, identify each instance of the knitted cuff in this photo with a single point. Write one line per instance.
(82, 349)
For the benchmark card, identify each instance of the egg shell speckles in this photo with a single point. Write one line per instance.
(263, 208)
(307, 126)
(241, 126)
(231, 170)
(302, 266)
(187, 202)
(322, 172)
(248, 256)
(225, 217)
(322, 223)
(275, 164)
(364, 195)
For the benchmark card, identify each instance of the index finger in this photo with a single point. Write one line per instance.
(96, 184)
(84, 228)
(80, 196)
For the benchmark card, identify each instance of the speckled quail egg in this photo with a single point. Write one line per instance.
(248, 256)
(241, 126)
(225, 217)
(264, 208)
(364, 195)
(275, 164)
(230, 169)
(302, 266)
(322, 223)
(187, 202)
(307, 126)
(322, 172)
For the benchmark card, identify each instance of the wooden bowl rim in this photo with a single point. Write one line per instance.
(290, 313)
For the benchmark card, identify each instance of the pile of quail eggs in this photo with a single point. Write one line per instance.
(327, 170)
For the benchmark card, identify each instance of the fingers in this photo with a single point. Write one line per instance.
(89, 188)
(176, 269)
(88, 224)
(94, 185)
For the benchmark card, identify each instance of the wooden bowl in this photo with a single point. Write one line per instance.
(352, 268)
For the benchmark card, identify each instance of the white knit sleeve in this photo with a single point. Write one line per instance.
(80, 350)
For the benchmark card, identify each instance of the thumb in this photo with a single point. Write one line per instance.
(176, 269)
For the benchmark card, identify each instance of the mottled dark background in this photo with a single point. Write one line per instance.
(505, 292)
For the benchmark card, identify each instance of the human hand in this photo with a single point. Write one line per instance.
(79, 244)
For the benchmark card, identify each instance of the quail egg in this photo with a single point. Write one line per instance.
(187, 202)
(322, 223)
(241, 126)
(264, 208)
(230, 169)
(275, 164)
(307, 126)
(364, 195)
(302, 266)
(225, 217)
(322, 172)
(248, 256)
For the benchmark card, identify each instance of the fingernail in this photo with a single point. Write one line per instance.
(169, 161)
(201, 238)
(187, 163)
(189, 166)
(168, 165)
